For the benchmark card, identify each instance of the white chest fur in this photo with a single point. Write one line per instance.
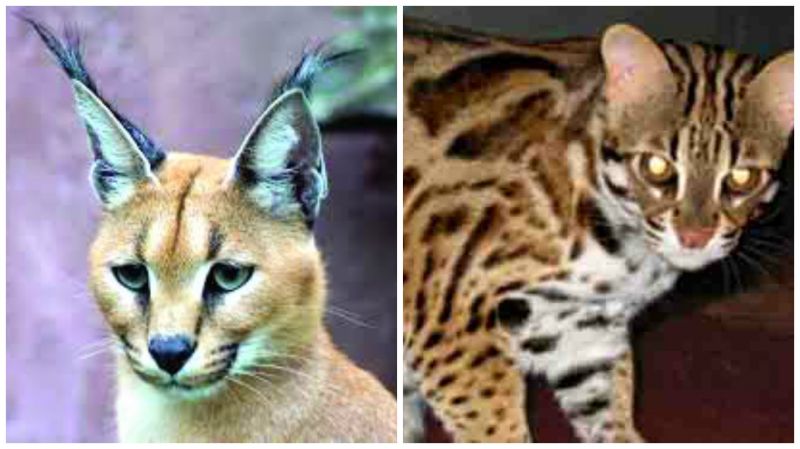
(583, 319)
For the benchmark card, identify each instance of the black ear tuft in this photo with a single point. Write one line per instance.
(69, 56)
(281, 163)
(513, 312)
(312, 64)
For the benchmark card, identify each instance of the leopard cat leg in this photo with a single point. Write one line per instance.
(484, 401)
(622, 401)
(413, 409)
(598, 400)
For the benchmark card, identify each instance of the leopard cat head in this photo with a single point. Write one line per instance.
(205, 268)
(692, 140)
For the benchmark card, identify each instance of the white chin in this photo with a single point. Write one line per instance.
(692, 261)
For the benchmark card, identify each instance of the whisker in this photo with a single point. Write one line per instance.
(242, 383)
(349, 318)
(94, 353)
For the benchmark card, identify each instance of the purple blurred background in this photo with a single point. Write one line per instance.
(194, 79)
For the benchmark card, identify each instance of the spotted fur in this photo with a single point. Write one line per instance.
(531, 233)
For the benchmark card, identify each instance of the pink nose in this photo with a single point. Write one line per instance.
(695, 238)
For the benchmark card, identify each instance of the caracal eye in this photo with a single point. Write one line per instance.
(656, 169)
(742, 180)
(132, 276)
(228, 277)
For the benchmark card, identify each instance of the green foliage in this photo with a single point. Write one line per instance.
(367, 83)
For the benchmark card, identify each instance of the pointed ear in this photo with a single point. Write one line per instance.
(767, 110)
(119, 163)
(636, 69)
(280, 164)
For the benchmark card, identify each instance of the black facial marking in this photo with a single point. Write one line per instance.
(602, 231)
(181, 207)
(673, 146)
(615, 189)
(692, 87)
(654, 224)
(225, 348)
(127, 343)
(215, 239)
(609, 154)
(730, 234)
(141, 238)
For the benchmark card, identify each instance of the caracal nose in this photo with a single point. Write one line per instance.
(695, 238)
(171, 352)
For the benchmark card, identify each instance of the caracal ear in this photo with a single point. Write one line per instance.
(767, 111)
(637, 72)
(280, 164)
(123, 155)
(119, 163)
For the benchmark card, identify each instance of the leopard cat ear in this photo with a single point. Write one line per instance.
(280, 164)
(119, 164)
(637, 72)
(767, 111)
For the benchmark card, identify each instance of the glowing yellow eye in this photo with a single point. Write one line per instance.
(657, 165)
(743, 179)
(657, 169)
(740, 176)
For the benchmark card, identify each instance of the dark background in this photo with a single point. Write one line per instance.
(195, 79)
(762, 30)
(715, 357)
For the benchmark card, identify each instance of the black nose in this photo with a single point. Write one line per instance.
(171, 353)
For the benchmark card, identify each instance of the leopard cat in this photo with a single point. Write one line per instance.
(550, 192)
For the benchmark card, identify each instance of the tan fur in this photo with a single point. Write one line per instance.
(527, 208)
(310, 393)
(503, 145)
